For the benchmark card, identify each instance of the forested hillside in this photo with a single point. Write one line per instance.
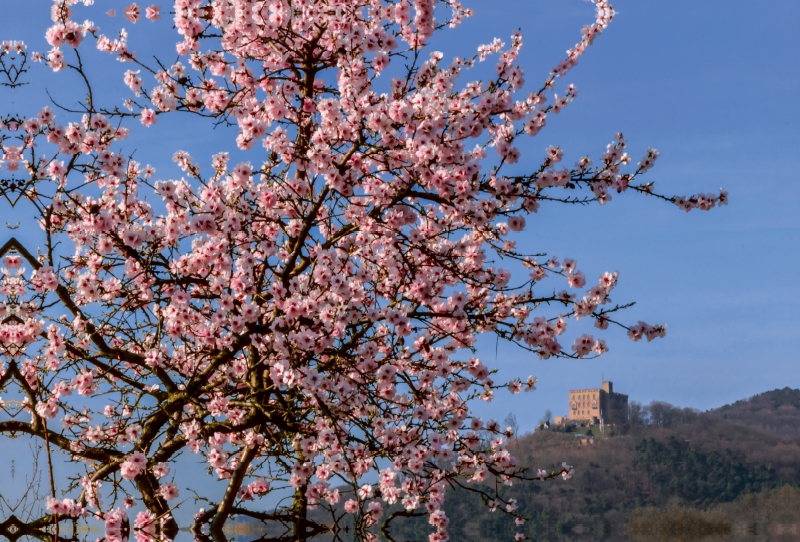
(776, 411)
(664, 456)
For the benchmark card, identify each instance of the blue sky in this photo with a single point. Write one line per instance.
(712, 86)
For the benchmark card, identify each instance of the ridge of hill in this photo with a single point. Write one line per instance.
(777, 411)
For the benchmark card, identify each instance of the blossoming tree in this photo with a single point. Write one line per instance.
(304, 319)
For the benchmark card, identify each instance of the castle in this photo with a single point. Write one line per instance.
(591, 406)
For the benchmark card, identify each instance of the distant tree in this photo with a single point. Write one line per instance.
(661, 413)
(636, 414)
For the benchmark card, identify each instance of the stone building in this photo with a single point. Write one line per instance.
(588, 406)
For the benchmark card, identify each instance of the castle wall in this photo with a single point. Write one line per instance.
(587, 405)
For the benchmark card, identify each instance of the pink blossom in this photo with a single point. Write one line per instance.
(153, 13)
(169, 491)
(133, 13)
(133, 465)
(351, 506)
(148, 117)
(583, 345)
(160, 470)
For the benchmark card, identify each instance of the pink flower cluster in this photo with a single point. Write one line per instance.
(133, 465)
(65, 507)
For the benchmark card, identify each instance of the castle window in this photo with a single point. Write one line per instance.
(574, 406)
(594, 404)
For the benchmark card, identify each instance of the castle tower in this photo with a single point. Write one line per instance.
(589, 405)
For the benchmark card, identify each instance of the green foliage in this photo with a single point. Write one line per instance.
(701, 479)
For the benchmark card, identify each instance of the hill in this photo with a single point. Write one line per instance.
(777, 411)
(664, 458)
